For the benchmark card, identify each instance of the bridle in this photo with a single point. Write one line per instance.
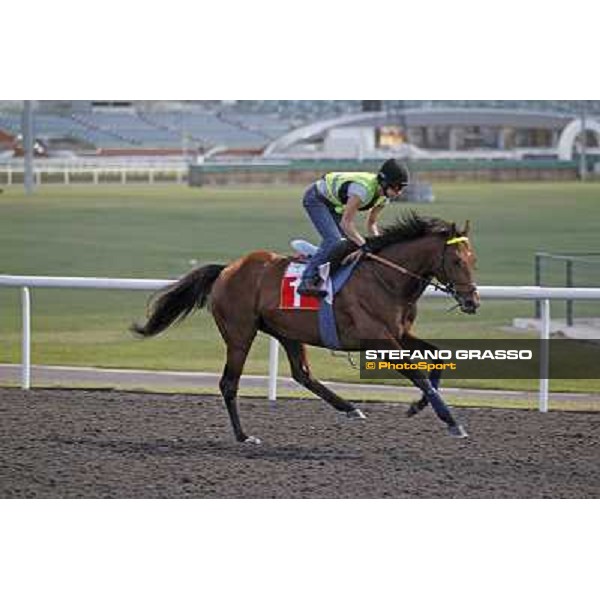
(452, 285)
(448, 288)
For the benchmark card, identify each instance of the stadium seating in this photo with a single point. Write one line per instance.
(240, 124)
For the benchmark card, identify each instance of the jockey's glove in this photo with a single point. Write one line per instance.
(366, 248)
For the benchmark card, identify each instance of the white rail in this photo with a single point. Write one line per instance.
(48, 175)
(486, 292)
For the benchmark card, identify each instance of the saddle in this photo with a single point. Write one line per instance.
(334, 275)
(304, 250)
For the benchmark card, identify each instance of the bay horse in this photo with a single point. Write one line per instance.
(377, 303)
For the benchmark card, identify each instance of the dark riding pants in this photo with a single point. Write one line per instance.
(327, 223)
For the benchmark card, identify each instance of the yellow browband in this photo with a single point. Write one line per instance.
(457, 240)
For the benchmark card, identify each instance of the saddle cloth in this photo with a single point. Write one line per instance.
(290, 299)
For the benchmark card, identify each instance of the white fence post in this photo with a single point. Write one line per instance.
(273, 368)
(544, 355)
(26, 340)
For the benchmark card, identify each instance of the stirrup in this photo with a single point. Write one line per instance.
(309, 287)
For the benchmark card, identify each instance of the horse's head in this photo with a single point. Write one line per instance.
(453, 268)
(456, 269)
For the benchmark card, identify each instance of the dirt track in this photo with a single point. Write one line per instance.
(90, 444)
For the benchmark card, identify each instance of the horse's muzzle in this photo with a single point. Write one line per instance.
(469, 302)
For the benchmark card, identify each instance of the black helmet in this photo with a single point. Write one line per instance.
(392, 173)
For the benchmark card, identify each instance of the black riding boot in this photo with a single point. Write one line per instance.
(311, 287)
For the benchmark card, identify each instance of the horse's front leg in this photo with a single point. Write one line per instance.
(410, 342)
(433, 397)
(430, 394)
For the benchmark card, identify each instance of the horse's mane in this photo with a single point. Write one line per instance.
(410, 226)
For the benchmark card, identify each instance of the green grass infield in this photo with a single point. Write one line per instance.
(162, 231)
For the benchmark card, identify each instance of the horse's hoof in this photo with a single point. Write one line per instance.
(457, 431)
(412, 410)
(356, 415)
(252, 440)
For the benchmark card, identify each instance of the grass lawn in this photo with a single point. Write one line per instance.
(156, 232)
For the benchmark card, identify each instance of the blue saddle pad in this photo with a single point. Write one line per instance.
(327, 326)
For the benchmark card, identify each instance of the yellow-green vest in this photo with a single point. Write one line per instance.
(336, 182)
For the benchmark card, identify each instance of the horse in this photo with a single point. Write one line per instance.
(378, 302)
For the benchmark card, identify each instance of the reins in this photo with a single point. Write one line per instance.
(446, 288)
(426, 280)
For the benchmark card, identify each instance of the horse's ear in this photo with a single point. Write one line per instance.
(453, 231)
(467, 227)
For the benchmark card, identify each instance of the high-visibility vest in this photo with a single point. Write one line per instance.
(336, 186)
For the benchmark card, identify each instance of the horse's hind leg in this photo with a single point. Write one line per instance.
(236, 357)
(238, 334)
(296, 353)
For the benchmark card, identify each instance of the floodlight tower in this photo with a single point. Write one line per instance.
(27, 131)
(582, 154)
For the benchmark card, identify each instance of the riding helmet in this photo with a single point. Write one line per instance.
(393, 173)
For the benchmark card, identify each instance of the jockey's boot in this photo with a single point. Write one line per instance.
(310, 287)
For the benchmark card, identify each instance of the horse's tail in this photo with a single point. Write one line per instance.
(176, 302)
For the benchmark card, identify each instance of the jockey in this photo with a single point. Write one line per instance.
(332, 203)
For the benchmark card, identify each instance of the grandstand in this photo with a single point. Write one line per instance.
(306, 128)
